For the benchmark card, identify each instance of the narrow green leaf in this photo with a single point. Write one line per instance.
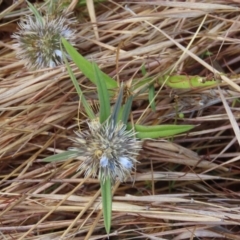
(51, 6)
(143, 128)
(86, 67)
(143, 70)
(82, 98)
(35, 12)
(107, 203)
(117, 106)
(103, 94)
(160, 130)
(61, 156)
(127, 109)
(151, 95)
(180, 81)
(186, 82)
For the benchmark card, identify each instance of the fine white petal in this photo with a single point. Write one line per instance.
(58, 53)
(125, 162)
(52, 64)
(67, 33)
(39, 60)
(103, 161)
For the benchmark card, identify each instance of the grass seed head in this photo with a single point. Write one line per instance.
(110, 151)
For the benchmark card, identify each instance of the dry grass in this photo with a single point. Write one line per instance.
(186, 187)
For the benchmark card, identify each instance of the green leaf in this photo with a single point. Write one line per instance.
(35, 12)
(107, 203)
(151, 95)
(143, 70)
(186, 82)
(180, 82)
(117, 107)
(103, 94)
(86, 67)
(61, 156)
(127, 109)
(160, 130)
(82, 98)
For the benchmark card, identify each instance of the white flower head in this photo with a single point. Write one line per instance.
(38, 40)
(110, 150)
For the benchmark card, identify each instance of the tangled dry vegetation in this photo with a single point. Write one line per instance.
(186, 187)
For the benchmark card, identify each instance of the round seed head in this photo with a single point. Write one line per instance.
(110, 151)
(38, 40)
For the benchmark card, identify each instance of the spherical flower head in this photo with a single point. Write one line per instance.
(109, 149)
(38, 40)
